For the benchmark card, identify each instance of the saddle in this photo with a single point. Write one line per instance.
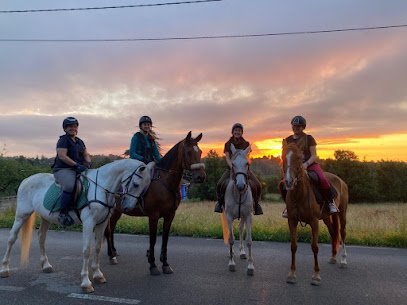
(52, 198)
(314, 179)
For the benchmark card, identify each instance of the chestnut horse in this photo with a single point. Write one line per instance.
(163, 198)
(303, 207)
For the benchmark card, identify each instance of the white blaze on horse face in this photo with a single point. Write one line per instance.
(196, 148)
(288, 178)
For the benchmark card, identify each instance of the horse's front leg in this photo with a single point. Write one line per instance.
(292, 277)
(242, 252)
(316, 277)
(166, 233)
(97, 273)
(232, 264)
(152, 223)
(42, 234)
(87, 235)
(250, 262)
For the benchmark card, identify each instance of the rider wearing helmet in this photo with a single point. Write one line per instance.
(72, 158)
(143, 146)
(240, 143)
(308, 145)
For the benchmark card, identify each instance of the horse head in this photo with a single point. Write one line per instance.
(192, 158)
(240, 167)
(292, 165)
(134, 184)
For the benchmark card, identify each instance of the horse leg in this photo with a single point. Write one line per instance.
(250, 265)
(166, 232)
(152, 223)
(316, 277)
(232, 264)
(292, 277)
(242, 252)
(97, 273)
(342, 219)
(330, 223)
(42, 235)
(87, 235)
(18, 223)
(109, 235)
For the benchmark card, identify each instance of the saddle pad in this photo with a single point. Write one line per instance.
(52, 199)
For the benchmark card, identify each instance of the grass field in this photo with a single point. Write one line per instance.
(367, 224)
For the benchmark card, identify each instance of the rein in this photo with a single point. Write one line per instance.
(118, 195)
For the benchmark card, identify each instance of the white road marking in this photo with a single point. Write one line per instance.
(102, 298)
(11, 288)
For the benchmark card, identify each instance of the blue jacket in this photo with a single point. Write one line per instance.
(144, 148)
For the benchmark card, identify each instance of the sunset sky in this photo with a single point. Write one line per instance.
(350, 86)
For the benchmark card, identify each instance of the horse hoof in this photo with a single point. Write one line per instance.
(291, 280)
(88, 289)
(4, 273)
(154, 271)
(343, 265)
(332, 260)
(48, 269)
(250, 272)
(243, 256)
(167, 270)
(113, 261)
(316, 281)
(232, 268)
(100, 280)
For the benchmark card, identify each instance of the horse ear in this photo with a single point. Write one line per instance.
(188, 138)
(248, 150)
(233, 149)
(198, 138)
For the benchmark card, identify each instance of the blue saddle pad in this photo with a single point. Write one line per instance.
(52, 199)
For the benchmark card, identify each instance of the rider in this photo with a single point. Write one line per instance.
(72, 159)
(144, 146)
(308, 145)
(240, 143)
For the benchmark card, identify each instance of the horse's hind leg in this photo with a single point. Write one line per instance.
(344, 254)
(242, 251)
(19, 221)
(97, 273)
(250, 265)
(42, 234)
(332, 225)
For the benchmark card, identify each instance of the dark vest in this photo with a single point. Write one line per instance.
(145, 150)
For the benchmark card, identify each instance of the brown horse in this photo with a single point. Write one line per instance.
(303, 207)
(163, 197)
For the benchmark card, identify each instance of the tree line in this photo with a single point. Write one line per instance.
(382, 181)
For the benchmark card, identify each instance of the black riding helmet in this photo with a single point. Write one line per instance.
(237, 125)
(144, 119)
(299, 120)
(69, 121)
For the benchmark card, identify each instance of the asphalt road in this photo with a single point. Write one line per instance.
(373, 276)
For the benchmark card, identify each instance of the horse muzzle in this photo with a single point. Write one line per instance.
(198, 172)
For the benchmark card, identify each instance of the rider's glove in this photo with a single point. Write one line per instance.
(80, 168)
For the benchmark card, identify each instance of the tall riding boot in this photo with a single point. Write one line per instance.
(257, 208)
(220, 204)
(64, 218)
(326, 193)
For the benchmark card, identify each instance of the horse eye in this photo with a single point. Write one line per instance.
(135, 184)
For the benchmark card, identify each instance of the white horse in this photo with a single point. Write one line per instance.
(239, 205)
(120, 181)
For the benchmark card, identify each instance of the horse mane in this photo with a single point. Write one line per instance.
(166, 161)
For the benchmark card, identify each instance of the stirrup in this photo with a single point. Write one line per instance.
(284, 214)
(65, 220)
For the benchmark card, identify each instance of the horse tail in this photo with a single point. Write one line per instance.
(26, 235)
(225, 228)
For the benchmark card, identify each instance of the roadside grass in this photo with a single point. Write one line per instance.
(383, 224)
